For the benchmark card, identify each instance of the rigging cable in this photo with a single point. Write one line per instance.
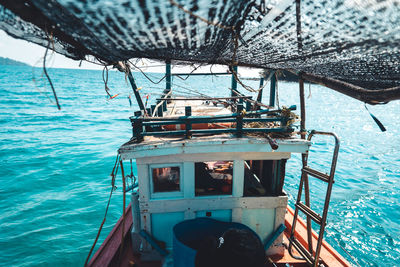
(187, 76)
(113, 187)
(276, 90)
(380, 125)
(337, 242)
(105, 80)
(36, 86)
(45, 70)
(123, 208)
(146, 75)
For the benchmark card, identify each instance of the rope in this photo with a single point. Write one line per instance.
(133, 177)
(277, 91)
(159, 104)
(337, 242)
(354, 260)
(194, 69)
(101, 227)
(190, 90)
(105, 80)
(36, 85)
(250, 100)
(113, 187)
(145, 75)
(123, 207)
(45, 70)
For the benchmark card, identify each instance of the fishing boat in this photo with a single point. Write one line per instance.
(209, 165)
(219, 158)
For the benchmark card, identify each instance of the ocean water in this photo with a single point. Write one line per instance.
(55, 165)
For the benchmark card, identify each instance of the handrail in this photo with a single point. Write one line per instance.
(160, 103)
(312, 255)
(247, 113)
(152, 126)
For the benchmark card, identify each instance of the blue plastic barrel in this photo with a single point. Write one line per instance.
(188, 236)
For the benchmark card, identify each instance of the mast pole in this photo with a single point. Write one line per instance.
(302, 110)
(234, 82)
(259, 96)
(135, 89)
(272, 90)
(168, 76)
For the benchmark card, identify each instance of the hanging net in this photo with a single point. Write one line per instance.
(356, 41)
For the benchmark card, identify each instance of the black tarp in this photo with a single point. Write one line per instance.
(353, 41)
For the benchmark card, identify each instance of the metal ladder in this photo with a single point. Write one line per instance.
(308, 254)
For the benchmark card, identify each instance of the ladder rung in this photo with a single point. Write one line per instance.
(303, 252)
(309, 212)
(317, 174)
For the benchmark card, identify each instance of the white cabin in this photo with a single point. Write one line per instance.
(219, 176)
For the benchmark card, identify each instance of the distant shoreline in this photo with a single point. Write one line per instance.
(4, 61)
(282, 75)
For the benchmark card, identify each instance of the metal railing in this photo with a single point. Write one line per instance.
(153, 126)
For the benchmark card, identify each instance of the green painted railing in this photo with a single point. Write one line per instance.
(152, 126)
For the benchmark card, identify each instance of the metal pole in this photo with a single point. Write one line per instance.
(304, 162)
(188, 124)
(272, 91)
(259, 97)
(302, 110)
(135, 91)
(234, 82)
(168, 77)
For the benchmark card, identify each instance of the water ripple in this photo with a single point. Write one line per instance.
(55, 166)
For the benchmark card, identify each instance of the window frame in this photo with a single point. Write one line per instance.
(217, 195)
(171, 194)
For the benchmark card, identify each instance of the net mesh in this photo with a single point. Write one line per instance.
(351, 40)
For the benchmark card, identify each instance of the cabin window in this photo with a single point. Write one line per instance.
(263, 177)
(166, 179)
(213, 178)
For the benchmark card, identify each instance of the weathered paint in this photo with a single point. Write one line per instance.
(221, 215)
(162, 224)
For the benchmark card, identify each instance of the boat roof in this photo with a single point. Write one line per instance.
(351, 41)
(247, 146)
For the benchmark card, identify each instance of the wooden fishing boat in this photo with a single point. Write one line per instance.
(113, 253)
(338, 44)
(204, 158)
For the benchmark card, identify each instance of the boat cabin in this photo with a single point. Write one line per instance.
(217, 160)
(218, 176)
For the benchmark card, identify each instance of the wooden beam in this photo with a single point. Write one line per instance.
(370, 96)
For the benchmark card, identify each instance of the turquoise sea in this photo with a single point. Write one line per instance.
(55, 165)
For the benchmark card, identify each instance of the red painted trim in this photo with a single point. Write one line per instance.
(109, 249)
(328, 254)
(111, 244)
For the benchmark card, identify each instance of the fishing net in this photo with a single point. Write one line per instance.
(356, 41)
